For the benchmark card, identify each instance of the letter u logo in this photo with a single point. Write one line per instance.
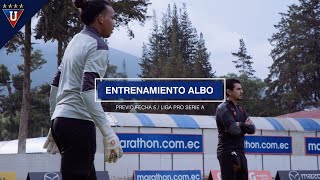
(15, 15)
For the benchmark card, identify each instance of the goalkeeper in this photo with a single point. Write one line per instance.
(73, 109)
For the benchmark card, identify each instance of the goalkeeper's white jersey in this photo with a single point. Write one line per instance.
(86, 52)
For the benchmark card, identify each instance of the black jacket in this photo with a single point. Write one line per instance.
(231, 136)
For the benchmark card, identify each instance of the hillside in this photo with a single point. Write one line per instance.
(49, 50)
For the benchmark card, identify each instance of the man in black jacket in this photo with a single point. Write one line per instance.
(233, 123)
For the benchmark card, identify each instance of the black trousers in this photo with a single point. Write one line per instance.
(232, 168)
(76, 140)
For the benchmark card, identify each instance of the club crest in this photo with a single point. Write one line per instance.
(13, 12)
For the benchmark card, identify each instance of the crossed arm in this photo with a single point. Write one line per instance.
(236, 128)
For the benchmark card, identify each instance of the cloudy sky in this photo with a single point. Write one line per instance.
(223, 23)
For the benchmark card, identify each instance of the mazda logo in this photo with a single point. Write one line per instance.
(51, 176)
(294, 175)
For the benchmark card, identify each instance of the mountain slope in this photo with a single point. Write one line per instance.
(49, 50)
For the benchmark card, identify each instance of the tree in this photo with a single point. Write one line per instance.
(128, 11)
(11, 106)
(156, 50)
(17, 80)
(243, 63)
(176, 66)
(5, 78)
(8, 127)
(295, 73)
(23, 128)
(12, 103)
(188, 39)
(16, 44)
(36, 61)
(173, 49)
(201, 66)
(59, 20)
(38, 125)
(22, 42)
(146, 62)
(124, 73)
(39, 105)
